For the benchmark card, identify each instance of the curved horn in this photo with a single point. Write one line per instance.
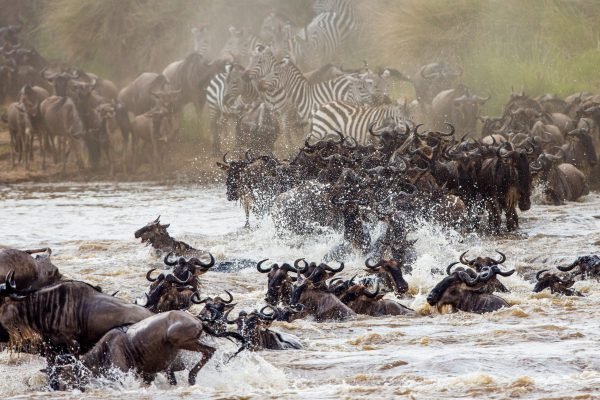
(464, 260)
(449, 267)
(452, 130)
(199, 263)
(224, 162)
(466, 278)
(503, 273)
(372, 294)
(230, 298)
(169, 263)
(567, 268)
(148, 277)
(539, 274)
(264, 271)
(297, 265)
(226, 315)
(340, 268)
(502, 257)
(371, 266)
(196, 298)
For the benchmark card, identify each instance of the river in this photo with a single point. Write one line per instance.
(542, 346)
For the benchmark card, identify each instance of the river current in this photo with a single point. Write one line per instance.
(543, 346)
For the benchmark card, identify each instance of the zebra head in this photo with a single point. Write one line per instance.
(262, 62)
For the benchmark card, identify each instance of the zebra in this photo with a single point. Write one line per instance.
(353, 120)
(201, 45)
(345, 21)
(239, 46)
(307, 97)
(262, 61)
(226, 95)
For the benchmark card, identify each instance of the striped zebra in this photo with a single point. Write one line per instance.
(307, 97)
(240, 45)
(201, 45)
(352, 120)
(227, 93)
(262, 61)
(345, 21)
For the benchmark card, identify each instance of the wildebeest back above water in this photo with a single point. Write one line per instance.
(29, 273)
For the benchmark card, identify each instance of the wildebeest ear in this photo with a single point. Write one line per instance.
(223, 166)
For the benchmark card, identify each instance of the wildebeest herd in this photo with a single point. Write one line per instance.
(366, 170)
(85, 333)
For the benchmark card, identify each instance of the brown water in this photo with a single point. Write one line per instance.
(541, 347)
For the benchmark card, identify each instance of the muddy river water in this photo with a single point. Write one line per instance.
(541, 347)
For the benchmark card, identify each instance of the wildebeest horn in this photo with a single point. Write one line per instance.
(225, 159)
(226, 315)
(169, 263)
(328, 268)
(157, 220)
(230, 298)
(149, 277)
(502, 258)
(195, 261)
(449, 267)
(498, 271)
(371, 266)
(173, 279)
(374, 294)
(466, 278)
(196, 298)
(264, 271)
(567, 268)
(301, 269)
(452, 129)
(464, 260)
(269, 317)
(539, 274)
(42, 250)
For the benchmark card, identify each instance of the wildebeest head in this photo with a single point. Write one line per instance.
(468, 107)
(587, 266)
(250, 325)
(59, 80)
(149, 233)
(390, 273)
(166, 99)
(194, 266)
(47, 272)
(236, 178)
(168, 292)
(279, 282)
(214, 308)
(354, 292)
(555, 283)
(450, 282)
(481, 262)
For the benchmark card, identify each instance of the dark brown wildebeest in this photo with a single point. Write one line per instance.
(29, 273)
(59, 81)
(147, 348)
(69, 316)
(432, 79)
(156, 235)
(462, 292)
(459, 107)
(61, 120)
(31, 97)
(214, 310)
(561, 181)
(151, 128)
(146, 91)
(579, 150)
(113, 145)
(492, 284)
(168, 292)
(363, 301)
(555, 283)
(317, 301)
(387, 274)
(257, 128)
(20, 140)
(279, 283)
(254, 328)
(195, 267)
(587, 267)
(191, 76)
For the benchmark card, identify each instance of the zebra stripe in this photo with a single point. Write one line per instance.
(351, 120)
(308, 97)
(344, 20)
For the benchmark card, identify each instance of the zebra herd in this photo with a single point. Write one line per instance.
(267, 71)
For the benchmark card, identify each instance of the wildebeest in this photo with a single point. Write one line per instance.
(150, 129)
(587, 267)
(362, 301)
(141, 95)
(156, 235)
(461, 291)
(29, 273)
(147, 348)
(388, 276)
(459, 107)
(317, 301)
(168, 292)
(254, 328)
(555, 283)
(193, 265)
(279, 283)
(257, 128)
(432, 79)
(30, 97)
(214, 311)
(61, 121)
(20, 137)
(59, 81)
(562, 181)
